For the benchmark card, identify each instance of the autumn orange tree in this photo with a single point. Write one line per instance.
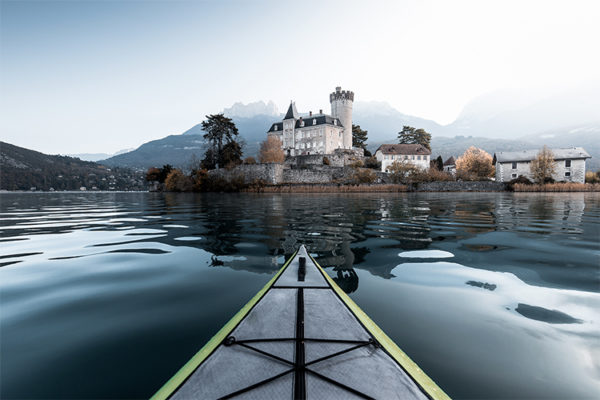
(475, 163)
(271, 151)
(177, 181)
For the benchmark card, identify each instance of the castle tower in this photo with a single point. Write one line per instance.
(341, 107)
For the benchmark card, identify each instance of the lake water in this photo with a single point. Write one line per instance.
(107, 295)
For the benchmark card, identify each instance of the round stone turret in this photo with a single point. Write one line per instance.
(341, 108)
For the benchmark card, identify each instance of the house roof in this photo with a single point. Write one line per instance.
(291, 112)
(450, 161)
(403, 149)
(319, 119)
(528, 155)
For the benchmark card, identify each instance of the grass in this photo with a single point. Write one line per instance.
(320, 188)
(558, 187)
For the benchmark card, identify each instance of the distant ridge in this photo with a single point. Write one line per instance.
(23, 169)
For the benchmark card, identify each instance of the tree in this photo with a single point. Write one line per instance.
(401, 172)
(231, 155)
(543, 167)
(359, 137)
(410, 135)
(177, 182)
(271, 151)
(475, 163)
(152, 174)
(220, 131)
(439, 163)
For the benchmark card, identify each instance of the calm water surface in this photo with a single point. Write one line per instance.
(107, 295)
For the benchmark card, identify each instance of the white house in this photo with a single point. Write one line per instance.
(317, 133)
(569, 164)
(415, 154)
(450, 165)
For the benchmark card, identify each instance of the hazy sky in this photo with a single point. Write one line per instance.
(99, 76)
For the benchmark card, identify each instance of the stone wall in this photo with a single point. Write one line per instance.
(339, 158)
(462, 186)
(271, 173)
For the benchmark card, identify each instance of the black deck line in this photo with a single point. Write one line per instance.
(299, 378)
(303, 287)
(301, 268)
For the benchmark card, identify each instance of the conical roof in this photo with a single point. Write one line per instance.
(291, 112)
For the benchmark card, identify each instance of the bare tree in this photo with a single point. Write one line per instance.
(543, 167)
(271, 151)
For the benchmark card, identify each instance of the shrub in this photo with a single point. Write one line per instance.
(522, 180)
(592, 177)
(401, 172)
(364, 175)
(325, 161)
(198, 177)
(357, 164)
(430, 175)
(177, 181)
(249, 160)
(373, 163)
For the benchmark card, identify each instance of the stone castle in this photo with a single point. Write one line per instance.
(319, 133)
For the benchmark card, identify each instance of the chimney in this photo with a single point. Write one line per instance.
(310, 113)
(320, 111)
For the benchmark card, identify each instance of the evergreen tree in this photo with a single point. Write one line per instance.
(220, 132)
(231, 155)
(359, 137)
(410, 135)
(439, 163)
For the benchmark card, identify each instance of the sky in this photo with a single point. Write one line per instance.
(101, 76)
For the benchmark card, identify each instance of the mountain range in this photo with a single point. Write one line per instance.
(501, 121)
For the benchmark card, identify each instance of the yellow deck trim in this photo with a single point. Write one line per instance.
(409, 365)
(173, 384)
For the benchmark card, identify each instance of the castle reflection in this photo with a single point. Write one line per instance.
(256, 232)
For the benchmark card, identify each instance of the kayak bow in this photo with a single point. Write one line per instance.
(300, 337)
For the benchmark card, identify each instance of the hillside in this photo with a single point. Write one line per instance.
(22, 169)
(182, 150)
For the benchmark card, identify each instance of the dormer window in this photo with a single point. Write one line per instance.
(335, 122)
(301, 123)
(314, 121)
(275, 127)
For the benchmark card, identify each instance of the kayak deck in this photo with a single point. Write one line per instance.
(300, 337)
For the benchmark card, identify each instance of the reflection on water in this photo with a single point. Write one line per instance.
(494, 295)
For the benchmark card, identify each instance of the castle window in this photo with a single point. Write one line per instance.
(314, 121)
(567, 164)
(568, 173)
(514, 165)
(514, 175)
(418, 157)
